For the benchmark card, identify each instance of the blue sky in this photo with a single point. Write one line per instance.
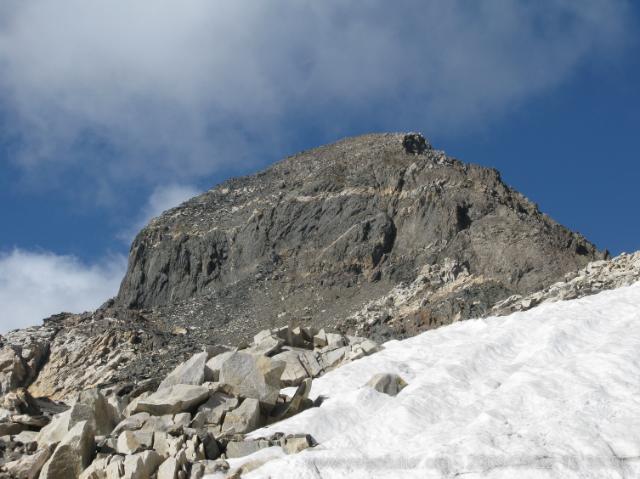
(111, 111)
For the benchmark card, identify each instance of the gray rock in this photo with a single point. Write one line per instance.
(28, 466)
(296, 443)
(131, 423)
(189, 372)
(295, 405)
(72, 455)
(244, 448)
(130, 442)
(294, 371)
(245, 418)
(173, 400)
(387, 383)
(103, 415)
(212, 368)
(253, 377)
(141, 465)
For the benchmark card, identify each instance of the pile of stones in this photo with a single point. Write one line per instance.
(188, 426)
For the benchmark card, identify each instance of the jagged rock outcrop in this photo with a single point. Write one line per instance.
(318, 235)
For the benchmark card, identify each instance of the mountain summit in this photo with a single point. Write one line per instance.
(321, 234)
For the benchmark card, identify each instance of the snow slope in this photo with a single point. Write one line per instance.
(551, 392)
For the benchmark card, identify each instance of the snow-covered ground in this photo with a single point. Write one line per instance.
(551, 392)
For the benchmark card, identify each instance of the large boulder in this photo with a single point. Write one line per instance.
(73, 454)
(189, 372)
(141, 465)
(256, 377)
(244, 419)
(212, 368)
(173, 400)
(13, 370)
(101, 412)
(28, 466)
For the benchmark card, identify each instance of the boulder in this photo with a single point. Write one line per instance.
(141, 465)
(189, 372)
(387, 383)
(13, 369)
(244, 448)
(244, 419)
(294, 371)
(253, 377)
(174, 399)
(267, 346)
(97, 469)
(213, 365)
(104, 415)
(169, 468)
(73, 454)
(28, 466)
(130, 442)
(131, 423)
(297, 442)
(284, 410)
(331, 358)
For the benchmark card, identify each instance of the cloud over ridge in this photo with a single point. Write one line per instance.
(137, 90)
(36, 284)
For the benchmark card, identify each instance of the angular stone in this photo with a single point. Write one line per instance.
(13, 369)
(173, 400)
(213, 365)
(169, 468)
(296, 443)
(189, 372)
(97, 469)
(288, 409)
(267, 346)
(244, 448)
(253, 377)
(104, 416)
(26, 437)
(130, 442)
(333, 357)
(131, 423)
(28, 466)
(141, 465)
(320, 339)
(294, 372)
(73, 454)
(369, 347)
(244, 419)
(387, 383)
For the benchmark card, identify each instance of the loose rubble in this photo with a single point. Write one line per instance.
(196, 418)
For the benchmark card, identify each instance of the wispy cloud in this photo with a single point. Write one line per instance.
(142, 90)
(37, 284)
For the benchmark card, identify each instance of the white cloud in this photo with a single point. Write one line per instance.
(35, 285)
(161, 199)
(140, 90)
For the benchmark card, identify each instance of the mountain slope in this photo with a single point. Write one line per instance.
(318, 235)
(551, 392)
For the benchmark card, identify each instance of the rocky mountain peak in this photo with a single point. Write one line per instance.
(318, 235)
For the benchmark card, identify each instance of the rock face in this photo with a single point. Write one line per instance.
(318, 235)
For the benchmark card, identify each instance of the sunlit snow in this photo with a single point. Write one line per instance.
(551, 392)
